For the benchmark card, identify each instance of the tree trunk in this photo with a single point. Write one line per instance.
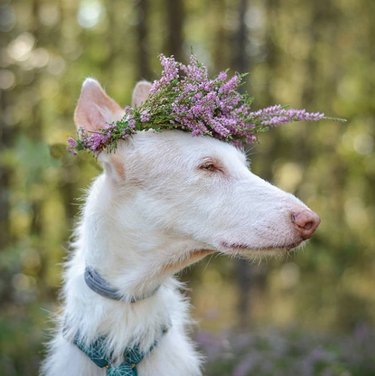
(143, 65)
(175, 15)
(243, 269)
(35, 130)
(5, 171)
(222, 42)
(240, 39)
(272, 63)
(5, 175)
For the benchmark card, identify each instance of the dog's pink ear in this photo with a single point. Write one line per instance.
(140, 93)
(95, 108)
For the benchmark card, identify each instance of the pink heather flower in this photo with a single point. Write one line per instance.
(251, 138)
(222, 76)
(170, 73)
(145, 116)
(185, 98)
(220, 128)
(127, 110)
(72, 142)
(131, 123)
(277, 115)
(194, 70)
(230, 85)
(268, 110)
(72, 145)
(96, 141)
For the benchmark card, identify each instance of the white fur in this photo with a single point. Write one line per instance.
(139, 228)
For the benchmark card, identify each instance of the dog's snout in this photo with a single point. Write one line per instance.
(305, 222)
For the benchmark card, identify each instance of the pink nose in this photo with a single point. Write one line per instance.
(305, 222)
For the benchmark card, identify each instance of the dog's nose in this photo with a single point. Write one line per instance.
(305, 222)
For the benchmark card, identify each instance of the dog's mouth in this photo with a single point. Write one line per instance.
(242, 247)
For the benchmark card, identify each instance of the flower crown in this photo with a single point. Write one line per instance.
(185, 98)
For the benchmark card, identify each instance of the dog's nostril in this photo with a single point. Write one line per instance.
(308, 225)
(305, 222)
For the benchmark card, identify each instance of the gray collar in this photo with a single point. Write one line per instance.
(99, 285)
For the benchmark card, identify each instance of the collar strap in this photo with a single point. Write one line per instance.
(99, 285)
(132, 356)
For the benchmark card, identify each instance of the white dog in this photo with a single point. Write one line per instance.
(165, 200)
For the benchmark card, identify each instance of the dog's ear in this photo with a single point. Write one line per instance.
(95, 108)
(140, 93)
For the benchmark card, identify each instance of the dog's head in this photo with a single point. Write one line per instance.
(194, 188)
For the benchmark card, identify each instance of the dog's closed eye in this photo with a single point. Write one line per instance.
(211, 165)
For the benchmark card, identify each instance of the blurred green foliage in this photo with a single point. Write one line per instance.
(314, 54)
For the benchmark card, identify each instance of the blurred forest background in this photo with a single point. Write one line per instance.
(312, 313)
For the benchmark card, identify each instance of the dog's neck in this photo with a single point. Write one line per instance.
(133, 257)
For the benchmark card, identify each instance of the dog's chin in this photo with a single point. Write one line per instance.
(270, 250)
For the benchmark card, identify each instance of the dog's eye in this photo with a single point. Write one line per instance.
(210, 166)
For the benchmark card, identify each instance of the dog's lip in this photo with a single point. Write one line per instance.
(248, 247)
